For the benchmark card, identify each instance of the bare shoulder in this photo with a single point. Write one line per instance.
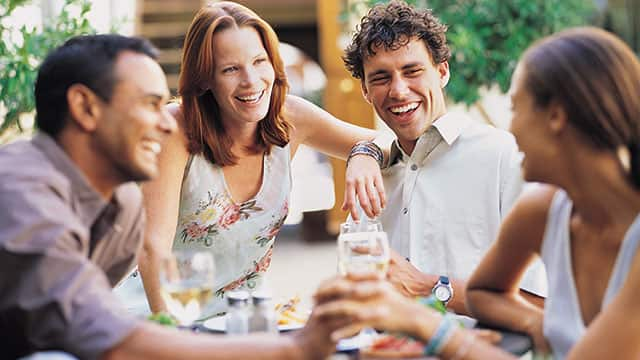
(528, 218)
(297, 110)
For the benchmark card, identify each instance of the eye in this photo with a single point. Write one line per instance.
(414, 72)
(379, 80)
(229, 69)
(261, 60)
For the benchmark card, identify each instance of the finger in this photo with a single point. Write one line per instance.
(349, 202)
(373, 198)
(364, 199)
(332, 289)
(379, 184)
(362, 276)
(490, 336)
(348, 331)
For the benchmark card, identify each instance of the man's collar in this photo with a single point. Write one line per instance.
(451, 126)
(90, 201)
(448, 126)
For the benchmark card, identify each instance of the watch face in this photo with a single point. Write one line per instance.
(442, 293)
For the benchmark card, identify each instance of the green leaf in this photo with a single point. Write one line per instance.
(19, 60)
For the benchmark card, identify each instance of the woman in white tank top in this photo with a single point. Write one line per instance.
(576, 118)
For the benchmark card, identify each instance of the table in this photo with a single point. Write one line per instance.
(515, 343)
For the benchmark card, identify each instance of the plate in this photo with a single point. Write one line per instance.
(218, 324)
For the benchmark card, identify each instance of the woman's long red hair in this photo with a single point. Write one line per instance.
(203, 127)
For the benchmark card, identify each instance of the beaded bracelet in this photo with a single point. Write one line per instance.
(367, 148)
(445, 330)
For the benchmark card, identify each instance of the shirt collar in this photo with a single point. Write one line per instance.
(90, 202)
(451, 126)
(448, 126)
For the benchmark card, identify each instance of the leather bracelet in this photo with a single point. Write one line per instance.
(367, 148)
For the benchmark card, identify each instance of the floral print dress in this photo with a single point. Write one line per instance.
(239, 235)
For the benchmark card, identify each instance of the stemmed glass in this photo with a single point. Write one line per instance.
(363, 248)
(186, 278)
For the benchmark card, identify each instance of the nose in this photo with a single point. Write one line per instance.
(167, 123)
(250, 75)
(398, 88)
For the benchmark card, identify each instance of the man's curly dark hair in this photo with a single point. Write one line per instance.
(392, 26)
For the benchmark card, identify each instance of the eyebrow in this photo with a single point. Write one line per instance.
(155, 96)
(405, 67)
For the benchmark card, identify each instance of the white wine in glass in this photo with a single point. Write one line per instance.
(187, 283)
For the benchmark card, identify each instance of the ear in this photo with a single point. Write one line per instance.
(365, 92)
(443, 71)
(557, 118)
(84, 107)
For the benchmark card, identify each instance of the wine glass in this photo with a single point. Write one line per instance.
(186, 278)
(363, 248)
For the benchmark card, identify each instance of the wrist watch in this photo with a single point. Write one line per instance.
(443, 290)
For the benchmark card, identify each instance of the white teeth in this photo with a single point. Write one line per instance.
(252, 97)
(153, 146)
(403, 109)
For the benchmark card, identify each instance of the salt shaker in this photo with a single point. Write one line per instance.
(263, 318)
(237, 320)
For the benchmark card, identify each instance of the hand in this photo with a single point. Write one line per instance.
(366, 302)
(314, 341)
(407, 278)
(534, 329)
(364, 182)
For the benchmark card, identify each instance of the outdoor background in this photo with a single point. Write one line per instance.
(486, 36)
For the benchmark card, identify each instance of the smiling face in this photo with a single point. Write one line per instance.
(532, 127)
(244, 76)
(405, 89)
(135, 123)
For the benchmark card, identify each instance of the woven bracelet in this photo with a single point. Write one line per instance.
(367, 148)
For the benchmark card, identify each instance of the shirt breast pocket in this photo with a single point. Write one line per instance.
(453, 242)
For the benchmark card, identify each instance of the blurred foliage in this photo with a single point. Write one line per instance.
(22, 49)
(487, 37)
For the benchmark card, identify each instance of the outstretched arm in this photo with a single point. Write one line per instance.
(373, 303)
(324, 132)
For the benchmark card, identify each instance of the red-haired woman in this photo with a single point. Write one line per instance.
(225, 177)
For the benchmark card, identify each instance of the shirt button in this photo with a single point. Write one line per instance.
(405, 211)
(414, 167)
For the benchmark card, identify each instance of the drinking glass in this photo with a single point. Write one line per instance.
(186, 278)
(363, 248)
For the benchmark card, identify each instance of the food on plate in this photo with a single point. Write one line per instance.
(289, 314)
(394, 346)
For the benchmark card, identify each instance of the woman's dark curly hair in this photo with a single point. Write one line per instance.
(392, 26)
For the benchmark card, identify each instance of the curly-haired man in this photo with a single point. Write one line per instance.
(450, 180)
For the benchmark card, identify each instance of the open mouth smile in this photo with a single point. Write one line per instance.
(251, 98)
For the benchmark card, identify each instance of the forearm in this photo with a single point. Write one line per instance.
(420, 284)
(155, 342)
(463, 344)
(149, 268)
(507, 310)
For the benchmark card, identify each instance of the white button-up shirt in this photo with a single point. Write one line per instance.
(446, 201)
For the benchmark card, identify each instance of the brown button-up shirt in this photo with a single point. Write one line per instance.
(62, 249)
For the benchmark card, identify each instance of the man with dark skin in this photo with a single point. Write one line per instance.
(71, 216)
